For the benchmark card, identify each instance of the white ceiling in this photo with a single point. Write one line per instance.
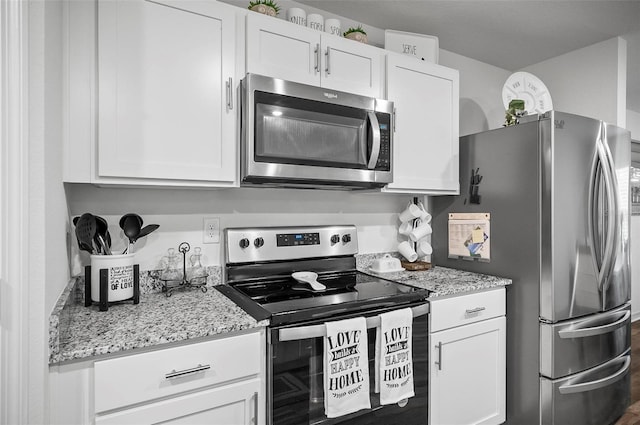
(509, 34)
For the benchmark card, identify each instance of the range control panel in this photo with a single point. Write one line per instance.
(294, 239)
(244, 245)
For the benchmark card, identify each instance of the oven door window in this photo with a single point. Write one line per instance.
(297, 393)
(290, 130)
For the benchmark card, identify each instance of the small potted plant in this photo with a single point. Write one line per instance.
(357, 34)
(267, 7)
(515, 111)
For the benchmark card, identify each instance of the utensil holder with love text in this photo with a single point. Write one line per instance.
(109, 280)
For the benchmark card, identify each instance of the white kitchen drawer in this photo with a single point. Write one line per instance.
(142, 377)
(461, 310)
(233, 404)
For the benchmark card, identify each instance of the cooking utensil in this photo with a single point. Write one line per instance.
(85, 231)
(131, 224)
(311, 278)
(146, 230)
(102, 231)
(143, 232)
(81, 244)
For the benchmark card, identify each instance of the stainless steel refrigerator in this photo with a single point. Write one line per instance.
(556, 187)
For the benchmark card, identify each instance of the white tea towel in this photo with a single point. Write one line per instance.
(394, 358)
(346, 367)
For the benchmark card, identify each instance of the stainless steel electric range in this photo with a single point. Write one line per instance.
(258, 275)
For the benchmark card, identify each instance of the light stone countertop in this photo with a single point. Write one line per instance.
(444, 281)
(77, 332)
(82, 333)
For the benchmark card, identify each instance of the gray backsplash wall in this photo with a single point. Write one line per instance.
(180, 214)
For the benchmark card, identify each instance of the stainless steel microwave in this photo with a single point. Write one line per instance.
(296, 135)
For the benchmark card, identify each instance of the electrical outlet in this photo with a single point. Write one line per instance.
(211, 230)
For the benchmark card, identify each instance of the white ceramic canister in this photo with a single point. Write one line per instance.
(333, 26)
(120, 276)
(297, 16)
(315, 21)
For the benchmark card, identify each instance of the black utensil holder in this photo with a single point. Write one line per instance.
(103, 302)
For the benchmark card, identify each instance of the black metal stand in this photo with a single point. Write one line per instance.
(103, 297)
(169, 285)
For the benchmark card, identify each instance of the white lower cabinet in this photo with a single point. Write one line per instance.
(219, 382)
(467, 368)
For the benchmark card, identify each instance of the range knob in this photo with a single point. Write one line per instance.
(335, 238)
(244, 243)
(346, 238)
(258, 242)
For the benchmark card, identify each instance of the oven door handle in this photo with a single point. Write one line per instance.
(317, 331)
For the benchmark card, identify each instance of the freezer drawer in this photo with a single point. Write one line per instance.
(597, 396)
(575, 345)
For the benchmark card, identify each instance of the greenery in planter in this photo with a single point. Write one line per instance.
(515, 111)
(352, 30)
(268, 3)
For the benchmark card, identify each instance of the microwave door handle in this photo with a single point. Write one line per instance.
(375, 149)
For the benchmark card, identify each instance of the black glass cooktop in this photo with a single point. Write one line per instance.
(285, 300)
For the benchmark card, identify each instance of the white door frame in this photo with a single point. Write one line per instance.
(14, 213)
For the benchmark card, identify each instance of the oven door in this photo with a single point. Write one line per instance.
(295, 390)
(296, 133)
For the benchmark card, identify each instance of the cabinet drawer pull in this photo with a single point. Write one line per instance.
(475, 310)
(316, 55)
(174, 374)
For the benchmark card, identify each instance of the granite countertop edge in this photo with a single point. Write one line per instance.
(84, 333)
(79, 333)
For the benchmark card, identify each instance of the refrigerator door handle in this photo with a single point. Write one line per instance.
(601, 167)
(592, 209)
(598, 383)
(596, 330)
(613, 219)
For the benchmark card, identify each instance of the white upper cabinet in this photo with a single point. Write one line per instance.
(425, 141)
(166, 92)
(280, 49)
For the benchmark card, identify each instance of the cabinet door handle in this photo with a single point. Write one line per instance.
(230, 93)
(327, 54)
(316, 55)
(395, 120)
(255, 409)
(439, 362)
(176, 374)
(475, 310)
